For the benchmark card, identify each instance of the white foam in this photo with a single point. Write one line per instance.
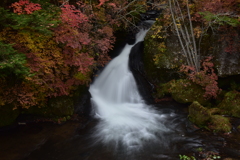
(124, 117)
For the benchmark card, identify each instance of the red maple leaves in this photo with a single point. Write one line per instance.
(25, 7)
(206, 78)
(72, 16)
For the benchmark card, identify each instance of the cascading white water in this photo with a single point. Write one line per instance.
(125, 119)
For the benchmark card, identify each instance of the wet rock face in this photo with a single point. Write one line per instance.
(166, 69)
(225, 53)
(226, 61)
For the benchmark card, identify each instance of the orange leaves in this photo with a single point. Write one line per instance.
(25, 7)
(71, 37)
(74, 28)
(107, 30)
(83, 61)
(206, 78)
(61, 61)
(72, 16)
(78, 32)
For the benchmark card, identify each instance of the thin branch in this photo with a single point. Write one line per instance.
(197, 62)
(126, 6)
(131, 23)
(186, 36)
(174, 22)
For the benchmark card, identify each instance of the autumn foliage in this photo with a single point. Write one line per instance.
(196, 21)
(25, 7)
(48, 50)
(207, 78)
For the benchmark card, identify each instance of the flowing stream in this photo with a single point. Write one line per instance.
(125, 119)
(126, 122)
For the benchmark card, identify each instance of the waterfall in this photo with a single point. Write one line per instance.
(124, 118)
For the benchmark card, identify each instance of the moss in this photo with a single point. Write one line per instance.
(58, 107)
(219, 123)
(215, 111)
(8, 115)
(61, 106)
(183, 91)
(202, 117)
(198, 114)
(162, 69)
(231, 104)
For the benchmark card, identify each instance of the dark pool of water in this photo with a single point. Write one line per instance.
(72, 141)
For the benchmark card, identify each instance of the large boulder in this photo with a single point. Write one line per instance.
(231, 104)
(205, 118)
(182, 91)
(59, 107)
(219, 123)
(160, 63)
(199, 115)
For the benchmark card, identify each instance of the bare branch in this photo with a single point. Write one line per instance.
(185, 33)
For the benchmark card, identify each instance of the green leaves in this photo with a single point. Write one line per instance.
(185, 157)
(220, 19)
(41, 20)
(12, 62)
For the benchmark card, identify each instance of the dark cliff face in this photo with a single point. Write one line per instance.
(226, 63)
(137, 68)
(225, 51)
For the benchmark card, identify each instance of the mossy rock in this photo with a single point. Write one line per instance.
(56, 107)
(198, 114)
(231, 104)
(162, 71)
(214, 111)
(183, 91)
(61, 106)
(219, 123)
(8, 115)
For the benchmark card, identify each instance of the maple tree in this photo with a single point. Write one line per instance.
(25, 7)
(55, 49)
(47, 50)
(206, 78)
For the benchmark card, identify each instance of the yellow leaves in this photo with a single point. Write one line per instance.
(101, 14)
(108, 30)
(157, 32)
(167, 16)
(85, 78)
(162, 47)
(2, 101)
(197, 31)
(75, 31)
(159, 56)
(178, 23)
(3, 34)
(34, 41)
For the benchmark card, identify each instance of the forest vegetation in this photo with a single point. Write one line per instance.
(48, 48)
